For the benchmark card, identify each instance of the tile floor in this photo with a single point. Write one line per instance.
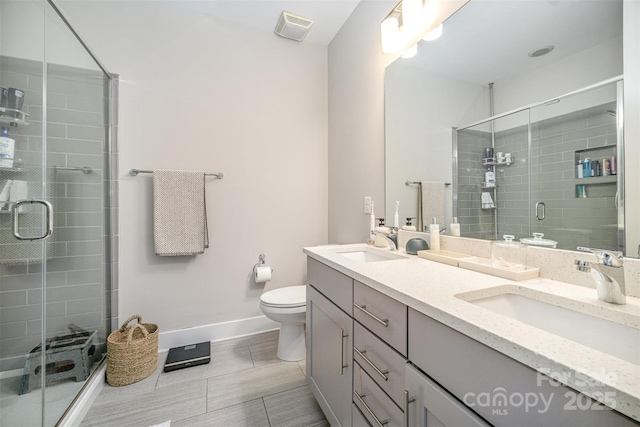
(245, 384)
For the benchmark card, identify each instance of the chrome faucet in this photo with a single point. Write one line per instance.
(607, 272)
(392, 243)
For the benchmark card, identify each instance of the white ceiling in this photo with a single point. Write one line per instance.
(488, 40)
(328, 16)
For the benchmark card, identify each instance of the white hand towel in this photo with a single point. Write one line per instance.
(179, 213)
(433, 202)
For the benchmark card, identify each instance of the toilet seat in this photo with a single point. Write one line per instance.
(289, 296)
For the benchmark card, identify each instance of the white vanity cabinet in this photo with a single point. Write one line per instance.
(373, 361)
(330, 341)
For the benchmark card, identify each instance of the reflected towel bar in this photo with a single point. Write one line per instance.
(134, 172)
(446, 184)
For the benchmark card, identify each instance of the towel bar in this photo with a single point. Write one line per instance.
(446, 184)
(134, 172)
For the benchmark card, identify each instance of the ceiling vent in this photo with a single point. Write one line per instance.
(293, 27)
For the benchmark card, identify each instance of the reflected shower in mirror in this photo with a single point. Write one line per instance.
(446, 86)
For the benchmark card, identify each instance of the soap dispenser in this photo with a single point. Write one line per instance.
(408, 226)
(434, 235)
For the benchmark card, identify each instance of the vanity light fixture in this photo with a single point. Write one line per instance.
(412, 20)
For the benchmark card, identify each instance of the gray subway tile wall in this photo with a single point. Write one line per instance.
(78, 268)
(556, 146)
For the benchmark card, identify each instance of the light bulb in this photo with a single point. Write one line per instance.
(390, 34)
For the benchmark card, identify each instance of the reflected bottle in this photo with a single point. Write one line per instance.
(586, 168)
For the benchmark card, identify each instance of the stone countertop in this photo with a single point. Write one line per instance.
(431, 288)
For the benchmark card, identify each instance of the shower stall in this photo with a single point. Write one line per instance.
(539, 161)
(58, 222)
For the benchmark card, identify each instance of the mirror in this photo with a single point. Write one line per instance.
(446, 86)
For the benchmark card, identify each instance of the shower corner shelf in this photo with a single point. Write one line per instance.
(21, 118)
(5, 169)
(491, 161)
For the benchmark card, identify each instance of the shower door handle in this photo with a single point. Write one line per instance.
(539, 205)
(15, 215)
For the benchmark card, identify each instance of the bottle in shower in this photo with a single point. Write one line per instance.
(7, 149)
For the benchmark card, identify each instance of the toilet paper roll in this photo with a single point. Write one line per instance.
(263, 274)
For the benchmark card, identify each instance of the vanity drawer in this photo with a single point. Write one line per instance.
(331, 283)
(374, 404)
(384, 316)
(389, 370)
(358, 419)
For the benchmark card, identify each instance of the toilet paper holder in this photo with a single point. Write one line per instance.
(260, 262)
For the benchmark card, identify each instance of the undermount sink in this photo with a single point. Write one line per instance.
(369, 255)
(609, 337)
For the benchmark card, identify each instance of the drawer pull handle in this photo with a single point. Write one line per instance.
(383, 374)
(342, 365)
(377, 420)
(405, 408)
(363, 308)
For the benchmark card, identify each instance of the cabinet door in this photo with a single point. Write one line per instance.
(431, 405)
(329, 357)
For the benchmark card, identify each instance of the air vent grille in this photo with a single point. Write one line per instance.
(292, 26)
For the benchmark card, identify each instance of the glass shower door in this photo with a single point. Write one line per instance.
(574, 182)
(22, 177)
(492, 187)
(55, 293)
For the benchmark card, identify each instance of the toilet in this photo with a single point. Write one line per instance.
(288, 306)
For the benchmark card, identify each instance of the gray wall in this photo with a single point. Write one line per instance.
(76, 292)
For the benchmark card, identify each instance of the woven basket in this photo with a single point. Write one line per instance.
(132, 352)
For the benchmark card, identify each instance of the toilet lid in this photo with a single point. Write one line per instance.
(289, 296)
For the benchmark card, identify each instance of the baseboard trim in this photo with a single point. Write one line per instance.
(216, 332)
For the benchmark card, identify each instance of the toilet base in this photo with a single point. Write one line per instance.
(291, 344)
